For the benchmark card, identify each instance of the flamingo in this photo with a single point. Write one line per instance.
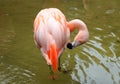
(52, 34)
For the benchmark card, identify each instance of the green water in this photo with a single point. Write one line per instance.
(96, 62)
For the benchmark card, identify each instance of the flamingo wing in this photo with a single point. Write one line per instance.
(51, 33)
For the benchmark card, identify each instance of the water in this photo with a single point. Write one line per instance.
(96, 62)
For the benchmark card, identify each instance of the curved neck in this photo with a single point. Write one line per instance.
(82, 35)
(77, 24)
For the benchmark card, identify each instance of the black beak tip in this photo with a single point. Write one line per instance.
(69, 45)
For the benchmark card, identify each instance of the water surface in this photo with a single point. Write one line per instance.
(96, 62)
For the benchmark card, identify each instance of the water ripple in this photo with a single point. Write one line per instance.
(100, 65)
(10, 74)
(105, 72)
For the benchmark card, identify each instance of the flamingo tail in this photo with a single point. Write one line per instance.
(53, 56)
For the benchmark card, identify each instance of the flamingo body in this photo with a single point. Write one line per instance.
(52, 33)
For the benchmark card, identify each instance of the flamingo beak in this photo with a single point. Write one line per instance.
(73, 45)
(69, 45)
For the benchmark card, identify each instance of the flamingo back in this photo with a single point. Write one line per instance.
(50, 27)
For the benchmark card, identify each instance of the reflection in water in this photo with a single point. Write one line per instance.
(99, 68)
(85, 4)
(96, 62)
(10, 74)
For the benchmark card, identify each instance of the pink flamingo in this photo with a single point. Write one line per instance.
(52, 33)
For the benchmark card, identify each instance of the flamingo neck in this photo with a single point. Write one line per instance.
(77, 24)
(82, 35)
